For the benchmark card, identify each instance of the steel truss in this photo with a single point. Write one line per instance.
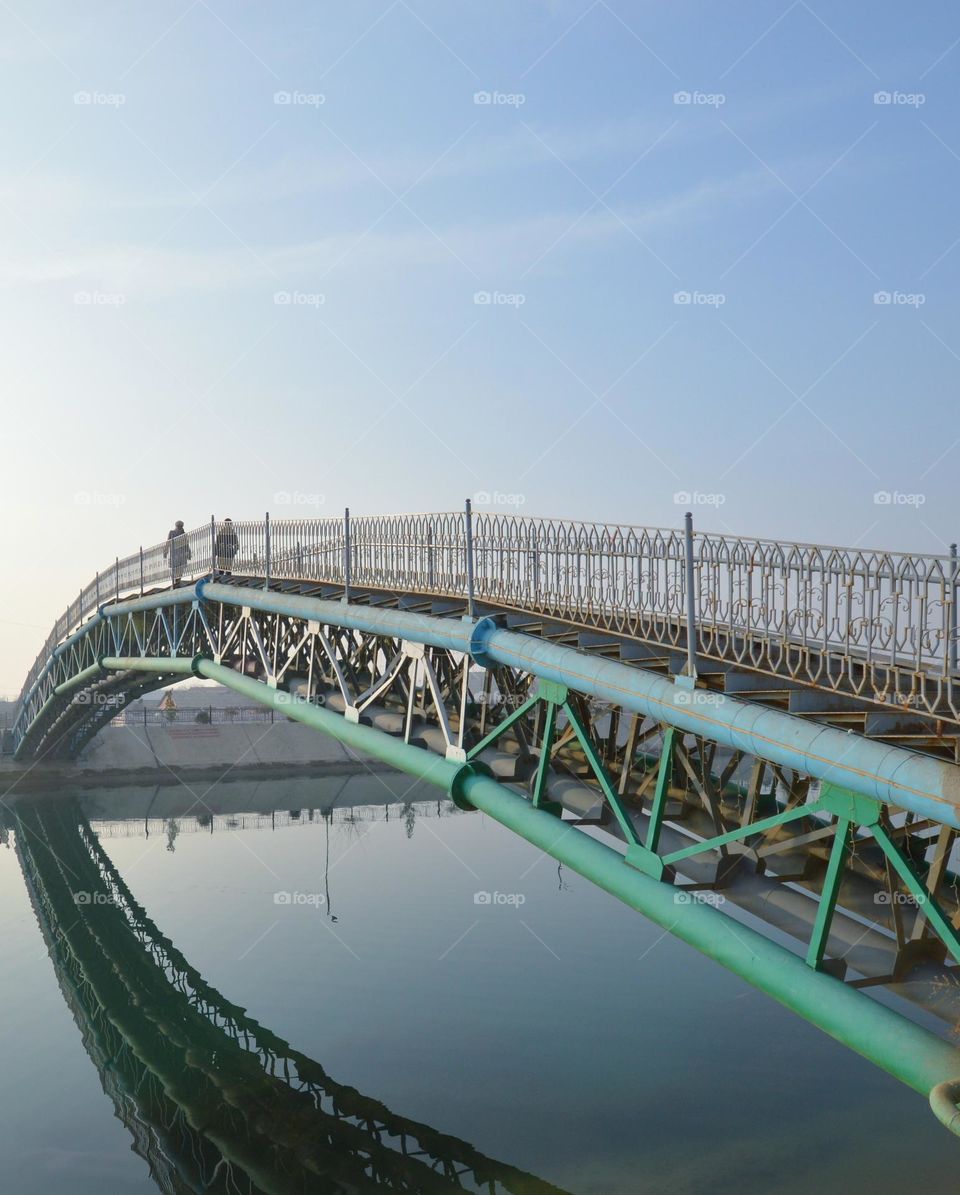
(697, 814)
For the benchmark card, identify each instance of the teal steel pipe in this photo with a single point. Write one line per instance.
(451, 633)
(153, 601)
(905, 1050)
(924, 785)
(920, 783)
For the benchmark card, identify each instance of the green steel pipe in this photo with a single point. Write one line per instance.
(905, 1050)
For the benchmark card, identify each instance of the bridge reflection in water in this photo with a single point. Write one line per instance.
(214, 1101)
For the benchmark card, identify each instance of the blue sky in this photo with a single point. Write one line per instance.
(212, 298)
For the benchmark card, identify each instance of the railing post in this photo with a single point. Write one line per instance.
(953, 608)
(98, 589)
(213, 548)
(468, 523)
(346, 554)
(141, 570)
(691, 668)
(116, 577)
(266, 551)
(431, 578)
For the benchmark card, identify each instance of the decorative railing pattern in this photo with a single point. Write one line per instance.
(880, 625)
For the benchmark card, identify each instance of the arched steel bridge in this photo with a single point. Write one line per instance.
(775, 721)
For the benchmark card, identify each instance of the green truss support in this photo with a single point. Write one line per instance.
(662, 790)
(926, 901)
(489, 739)
(831, 890)
(760, 827)
(596, 766)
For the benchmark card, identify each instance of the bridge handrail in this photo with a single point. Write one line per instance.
(758, 600)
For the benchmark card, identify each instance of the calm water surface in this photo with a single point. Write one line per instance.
(549, 1028)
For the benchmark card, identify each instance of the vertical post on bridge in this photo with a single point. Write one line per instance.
(691, 597)
(953, 608)
(141, 570)
(347, 562)
(213, 548)
(116, 577)
(98, 590)
(266, 551)
(468, 517)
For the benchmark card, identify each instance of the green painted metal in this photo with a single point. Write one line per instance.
(489, 739)
(907, 1051)
(926, 902)
(662, 790)
(596, 766)
(852, 807)
(546, 746)
(830, 892)
(760, 827)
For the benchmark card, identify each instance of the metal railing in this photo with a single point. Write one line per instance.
(880, 624)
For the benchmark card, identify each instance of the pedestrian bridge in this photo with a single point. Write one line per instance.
(669, 713)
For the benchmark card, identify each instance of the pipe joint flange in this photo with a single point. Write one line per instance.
(479, 638)
(458, 783)
(200, 586)
(195, 665)
(944, 1099)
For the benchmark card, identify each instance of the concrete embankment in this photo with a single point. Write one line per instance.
(161, 754)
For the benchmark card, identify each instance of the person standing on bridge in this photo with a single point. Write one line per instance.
(177, 548)
(225, 547)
